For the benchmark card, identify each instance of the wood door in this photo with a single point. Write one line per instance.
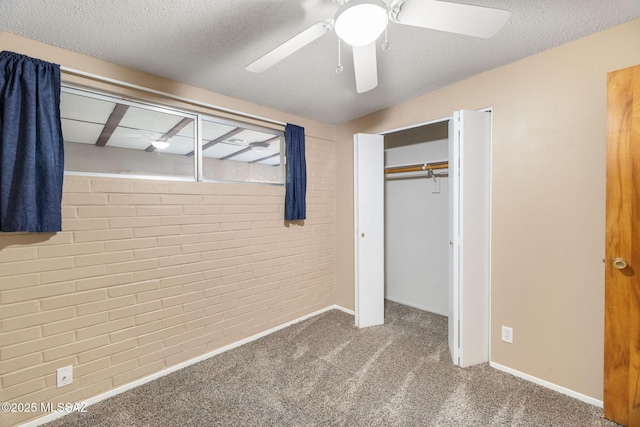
(622, 287)
(369, 228)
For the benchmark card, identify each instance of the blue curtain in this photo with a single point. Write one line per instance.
(295, 205)
(31, 145)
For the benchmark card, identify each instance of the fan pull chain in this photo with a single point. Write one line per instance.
(339, 68)
(386, 45)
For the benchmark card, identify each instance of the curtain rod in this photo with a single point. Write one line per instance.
(166, 94)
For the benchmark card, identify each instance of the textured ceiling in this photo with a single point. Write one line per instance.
(207, 43)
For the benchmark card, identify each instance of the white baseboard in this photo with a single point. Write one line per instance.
(141, 381)
(411, 304)
(547, 384)
(345, 310)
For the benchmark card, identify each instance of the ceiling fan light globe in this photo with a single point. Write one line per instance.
(360, 23)
(259, 146)
(160, 145)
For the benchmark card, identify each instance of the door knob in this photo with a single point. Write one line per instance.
(362, 235)
(620, 263)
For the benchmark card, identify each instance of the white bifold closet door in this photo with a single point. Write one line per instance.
(368, 207)
(469, 231)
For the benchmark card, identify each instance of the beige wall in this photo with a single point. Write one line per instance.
(548, 200)
(149, 274)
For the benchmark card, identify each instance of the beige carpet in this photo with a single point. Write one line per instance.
(326, 372)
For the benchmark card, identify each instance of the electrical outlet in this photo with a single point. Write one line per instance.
(65, 376)
(507, 334)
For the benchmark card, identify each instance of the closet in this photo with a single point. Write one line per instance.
(416, 217)
(433, 249)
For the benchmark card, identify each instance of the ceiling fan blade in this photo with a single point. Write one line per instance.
(290, 46)
(458, 18)
(366, 67)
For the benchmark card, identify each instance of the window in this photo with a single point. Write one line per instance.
(234, 153)
(108, 135)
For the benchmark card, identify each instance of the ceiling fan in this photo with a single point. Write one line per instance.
(359, 23)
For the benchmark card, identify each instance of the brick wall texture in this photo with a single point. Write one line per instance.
(148, 274)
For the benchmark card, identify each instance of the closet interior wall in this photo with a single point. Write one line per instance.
(416, 220)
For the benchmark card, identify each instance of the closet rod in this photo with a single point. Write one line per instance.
(418, 168)
(166, 94)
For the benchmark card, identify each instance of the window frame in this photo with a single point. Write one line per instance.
(198, 118)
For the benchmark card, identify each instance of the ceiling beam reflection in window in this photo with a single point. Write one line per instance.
(112, 123)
